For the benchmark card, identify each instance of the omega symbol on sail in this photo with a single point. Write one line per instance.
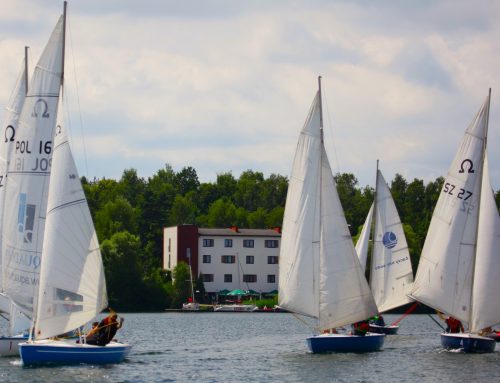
(390, 240)
(25, 218)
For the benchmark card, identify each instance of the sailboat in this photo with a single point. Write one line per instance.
(55, 267)
(459, 269)
(18, 322)
(192, 305)
(391, 275)
(320, 274)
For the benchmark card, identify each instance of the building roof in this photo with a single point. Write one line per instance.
(237, 232)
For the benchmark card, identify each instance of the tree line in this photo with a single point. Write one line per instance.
(130, 214)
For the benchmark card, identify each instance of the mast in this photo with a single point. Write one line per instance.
(374, 232)
(479, 204)
(64, 41)
(26, 70)
(320, 191)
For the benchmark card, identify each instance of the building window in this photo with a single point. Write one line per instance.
(272, 260)
(228, 243)
(207, 277)
(250, 260)
(208, 243)
(228, 259)
(249, 278)
(271, 243)
(228, 278)
(248, 243)
(271, 278)
(207, 258)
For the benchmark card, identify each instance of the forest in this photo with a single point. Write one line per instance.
(130, 214)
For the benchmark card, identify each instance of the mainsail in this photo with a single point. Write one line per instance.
(320, 274)
(28, 175)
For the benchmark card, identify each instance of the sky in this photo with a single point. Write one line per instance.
(226, 85)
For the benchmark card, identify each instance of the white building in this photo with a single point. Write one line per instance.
(226, 259)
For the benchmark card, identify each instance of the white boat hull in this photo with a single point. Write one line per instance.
(9, 345)
(235, 308)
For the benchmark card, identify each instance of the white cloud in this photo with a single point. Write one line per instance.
(226, 85)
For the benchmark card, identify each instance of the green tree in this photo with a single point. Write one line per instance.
(116, 216)
(249, 190)
(183, 211)
(257, 218)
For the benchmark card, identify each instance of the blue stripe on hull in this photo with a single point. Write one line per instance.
(468, 343)
(345, 343)
(47, 354)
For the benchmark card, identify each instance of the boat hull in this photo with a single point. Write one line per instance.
(9, 345)
(468, 343)
(235, 308)
(66, 352)
(345, 343)
(387, 330)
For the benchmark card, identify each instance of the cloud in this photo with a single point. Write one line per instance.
(226, 86)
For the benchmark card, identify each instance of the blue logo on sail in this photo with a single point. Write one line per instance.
(389, 240)
(25, 218)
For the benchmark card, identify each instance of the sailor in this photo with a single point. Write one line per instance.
(361, 328)
(108, 328)
(453, 325)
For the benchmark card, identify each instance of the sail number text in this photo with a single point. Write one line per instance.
(462, 193)
(43, 148)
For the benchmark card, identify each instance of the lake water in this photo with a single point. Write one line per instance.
(263, 347)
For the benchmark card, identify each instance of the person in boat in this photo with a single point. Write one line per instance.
(361, 328)
(378, 320)
(108, 328)
(453, 325)
(92, 336)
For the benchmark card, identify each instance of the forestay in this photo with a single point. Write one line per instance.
(445, 272)
(72, 284)
(28, 174)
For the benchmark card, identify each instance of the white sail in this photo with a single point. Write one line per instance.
(7, 141)
(485, 297)
(28, 175)
(299, 253)
(320, 274)
(391, 275)
(444, 276)
(72, 285)
(362, 245)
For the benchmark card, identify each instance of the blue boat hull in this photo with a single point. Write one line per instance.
(345, 343)
(387, 329)
(468, 342)
(62, 352)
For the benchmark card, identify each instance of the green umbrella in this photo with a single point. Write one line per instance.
(251, 292)
(237, 292)
(223, 292)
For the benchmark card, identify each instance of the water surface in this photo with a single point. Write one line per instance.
(263, 347)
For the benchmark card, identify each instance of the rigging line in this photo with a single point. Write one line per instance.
(78, 100)
(412, 307)
(314, 328)
(330, 126)
(435, 321)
